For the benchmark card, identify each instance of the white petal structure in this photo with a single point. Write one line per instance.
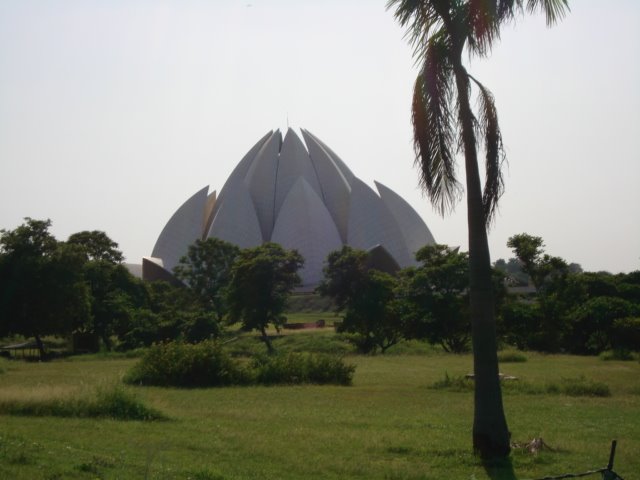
(300, 194)
(182, 229)
(304, 224)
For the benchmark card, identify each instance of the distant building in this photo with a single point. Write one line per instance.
(302, 196)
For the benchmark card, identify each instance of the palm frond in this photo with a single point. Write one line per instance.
(420, 18)
(554, 10)
(480, 17)
(494, 150)
(434, 128)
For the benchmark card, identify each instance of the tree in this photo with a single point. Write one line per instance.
(512, 269)
(42, 289)
(206, 269)
(261, 280)
(115, 293)
(543, 269)
(97, 246)
(367, 298)
(592, 323)
(170, 312)
(557, 291)
(444, 122)
(436, 297)
(344, 271)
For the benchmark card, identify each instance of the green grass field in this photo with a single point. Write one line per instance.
(391, 424)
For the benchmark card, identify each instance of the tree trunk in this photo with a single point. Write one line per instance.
(265, 339)
(40, 346)
(490, 432)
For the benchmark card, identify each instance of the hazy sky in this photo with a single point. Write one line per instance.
(113, 113)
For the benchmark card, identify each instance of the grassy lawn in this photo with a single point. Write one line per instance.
(389, 425)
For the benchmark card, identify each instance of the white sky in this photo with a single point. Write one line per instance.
(113, 113)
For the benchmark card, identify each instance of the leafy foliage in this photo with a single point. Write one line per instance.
(626, 333)
(206, 269)
(169, 313)
(572, 310)
(114, 402)
(43, 290)
(511, 356)
(435, 297)
(367, 299)
(573, 387)
(443, 123)
(115, 298)
(297, 368)
(97, 246)
(592, 324)
(208, 365)
(541, 268)
(180, 364)
(261, 280)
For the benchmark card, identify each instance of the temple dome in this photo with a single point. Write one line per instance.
(300, 194)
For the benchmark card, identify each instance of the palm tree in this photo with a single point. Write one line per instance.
(444, 124)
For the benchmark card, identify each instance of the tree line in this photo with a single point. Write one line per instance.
(81, 287)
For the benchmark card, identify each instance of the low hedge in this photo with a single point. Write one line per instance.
(207, 364)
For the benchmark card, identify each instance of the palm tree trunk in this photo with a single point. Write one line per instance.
(490, 432)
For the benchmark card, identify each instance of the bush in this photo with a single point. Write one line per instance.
(593, 325)
(621, 354)
(521, 323)
(115, 403)
(579, 387)
(295, 368)
(179, 364)
(511, 356)
(454, 384)
(207, 365)
(626, 333)
(575, 387)
(3, 364)
(119, 404)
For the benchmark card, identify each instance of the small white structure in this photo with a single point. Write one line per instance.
(300, 195)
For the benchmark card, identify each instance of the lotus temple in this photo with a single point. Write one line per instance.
(296, 192)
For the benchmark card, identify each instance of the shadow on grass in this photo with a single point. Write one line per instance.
(500, 469)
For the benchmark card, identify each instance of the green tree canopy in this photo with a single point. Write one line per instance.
(366, 297)
(97, 246)
(436, 297)
(42, 288)
(261, 280)
(206, 269)
(541, 268)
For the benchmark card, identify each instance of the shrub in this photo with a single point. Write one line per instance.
(3, 364)
(522, 325)
(207, 365)
(621, 354)
(119, 404)
(179, 364)
(454, 384)
(575, 387)
(579, 387)
(593, 325)
(626, 333)
(511, 356)
(295, 368)
(115, 403)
